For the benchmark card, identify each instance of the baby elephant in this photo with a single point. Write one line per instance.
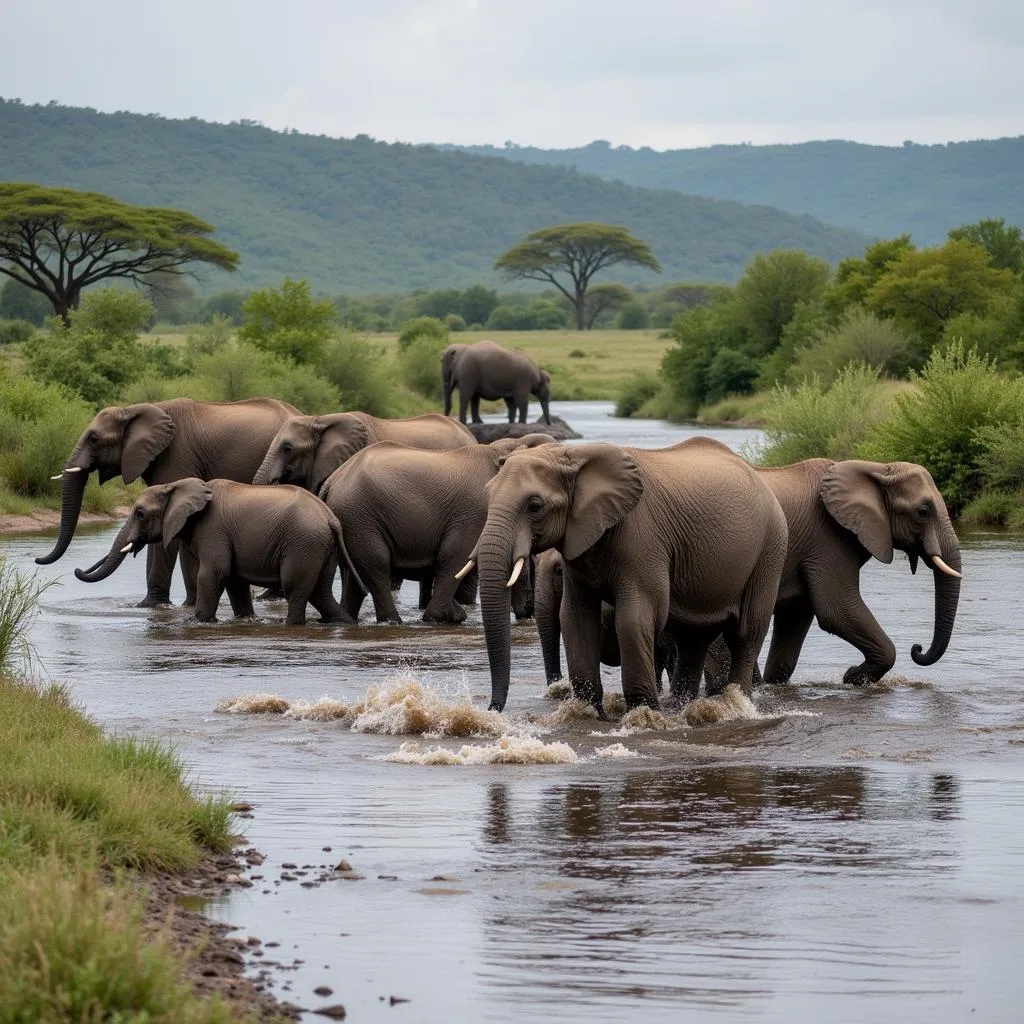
(239, 534)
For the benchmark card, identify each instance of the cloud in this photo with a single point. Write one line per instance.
(549, 72)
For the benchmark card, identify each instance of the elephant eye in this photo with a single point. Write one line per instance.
(535, 505)
(92, 437)
(139, 514)
(287, 448)
(924, 511)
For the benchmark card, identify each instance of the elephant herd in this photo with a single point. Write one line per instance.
(677, 557)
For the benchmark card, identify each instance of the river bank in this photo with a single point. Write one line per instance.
(49, 519)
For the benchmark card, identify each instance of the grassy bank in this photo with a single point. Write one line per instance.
(84, 818)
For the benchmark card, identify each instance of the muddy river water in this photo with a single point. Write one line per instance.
(821, 854)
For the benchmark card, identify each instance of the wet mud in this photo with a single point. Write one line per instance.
(817, 851)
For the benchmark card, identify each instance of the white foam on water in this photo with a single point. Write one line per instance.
(252, 704)
(615, 750)
(731, 705)
(326, 709)
(507, 750)
(559, 690)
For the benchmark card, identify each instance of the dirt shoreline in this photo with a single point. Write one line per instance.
(49, 519)
(216, 963)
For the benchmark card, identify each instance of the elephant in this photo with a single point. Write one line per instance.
(488, 370)
(631, 527)
(416, 513)
(547, 598)
(239, 535)
(307, 449)
(841, 514)
(162, 442)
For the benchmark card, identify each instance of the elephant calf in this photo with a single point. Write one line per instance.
(416, 514)
(239, 535)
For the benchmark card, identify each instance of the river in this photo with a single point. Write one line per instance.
(825, 854)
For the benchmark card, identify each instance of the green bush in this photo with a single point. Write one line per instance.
(205, 339)
(420, 364)
(940, 423)
(632, 317)
(14, 331)
(288, 322)
(18, 302)
(640, 388)
(1001, 454)
(995, 508)
(454, 322)
(422, 326)
(362, 375)
(818, 420)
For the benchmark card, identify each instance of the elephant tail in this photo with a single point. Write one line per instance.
(339, 543)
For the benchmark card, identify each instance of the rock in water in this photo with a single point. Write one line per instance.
(485, 433)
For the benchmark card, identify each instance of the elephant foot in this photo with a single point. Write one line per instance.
(524, 618)
(453, 613)
(155, 601)
(599, 708)
(858, 675)
(633, 701)
(189, 602)
(338, 619)
(555, 677)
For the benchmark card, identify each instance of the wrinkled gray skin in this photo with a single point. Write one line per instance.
(632, 528)
(160, 442)
(306, 450)
(547, 596)
(239, 535)
(415, 513)
(841, 514)
(487, 370)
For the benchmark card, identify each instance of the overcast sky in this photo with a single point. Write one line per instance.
(662, 73)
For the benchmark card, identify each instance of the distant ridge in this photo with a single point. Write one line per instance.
(880, 190)
(358, 215)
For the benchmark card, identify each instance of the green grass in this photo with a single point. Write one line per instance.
(78, 808)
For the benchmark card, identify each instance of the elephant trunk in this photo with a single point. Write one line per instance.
(494, 555)
(72, 488)
(268, 472)
(110, 561)
(547, 601)
(947, 597)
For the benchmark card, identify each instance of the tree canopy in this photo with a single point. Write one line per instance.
(59, 241)
(579, 251)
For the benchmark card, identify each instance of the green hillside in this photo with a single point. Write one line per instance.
(357, 215)
(881, 190)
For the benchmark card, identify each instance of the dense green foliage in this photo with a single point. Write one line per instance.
(880, 190)
(59, 241)
(288, 322)
(362, 216)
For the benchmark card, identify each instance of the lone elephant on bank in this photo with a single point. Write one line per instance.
(162, 442)
(489, 371)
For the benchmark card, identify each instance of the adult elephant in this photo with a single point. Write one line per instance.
(306, 450)
(841, 514)
(547, 598)
(239, 535)
(490, 371)
(161, 442)
(416, 514)
(632, 526)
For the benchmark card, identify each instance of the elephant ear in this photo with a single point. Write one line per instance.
(148, 432)
(184, 498)
(608, 486)
(854, 496)
(341, 437)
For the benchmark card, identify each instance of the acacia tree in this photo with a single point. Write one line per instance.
(578, 250)
(59, 241)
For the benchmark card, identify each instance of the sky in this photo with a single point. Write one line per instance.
(551, 73)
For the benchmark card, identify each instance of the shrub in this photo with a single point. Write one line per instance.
(577, 353)
(1001, 454)
(454, 322)
(940, 423)
(818, 420)
(19, 302)
(640, 388)
(420, 363)
(289, 322)
(428, 326)
(995, 508)
(19, 605)
(362, 375)
(14, 331)
(632, 317)
(205, 339)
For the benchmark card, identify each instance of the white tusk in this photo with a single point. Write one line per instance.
(126, 549)
(73, 469)
(58, 476)
(516, 570)
(940, 564)
(465, 570)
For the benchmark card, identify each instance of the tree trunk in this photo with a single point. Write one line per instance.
(581, 310)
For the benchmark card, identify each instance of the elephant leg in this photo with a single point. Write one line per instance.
(716, 666)
(240, 596)
(210, 584)
(664, 657)
(322, 597)
(396, 584)
(466, 591)
(464, 397)
(510, 405)
(610, 653)
(580, 620)
(792, 621)
(476, 409)
(271, 594)
(352, 595)
(159, 569)
(547, 601)
(523, 592)
(373, 563)
(297, 586)
(451, 557)
(691, 648)
(426, 589)
(189, 571)
(524, 408)
(844, 614)
(637, 622)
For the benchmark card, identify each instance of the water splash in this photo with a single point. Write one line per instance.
(405, 707)
(326, 709)
(732, 704)
(507, 750)
(615, 750)
(559, 690)
(645, 719)
(253, 704)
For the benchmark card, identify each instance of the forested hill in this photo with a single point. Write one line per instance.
(358, 215)
(881, 190)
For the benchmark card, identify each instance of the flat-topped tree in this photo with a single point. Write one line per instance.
(58, 241)
(578, 250)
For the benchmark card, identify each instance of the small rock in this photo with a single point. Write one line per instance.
(272, 945)
(335, 1012)
(287, 877)
(395, 1000)
(308, 885)
(288, 864)
(323, 990)
(343, 865)
(389, 878)
(326, 849)
(241, 807)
